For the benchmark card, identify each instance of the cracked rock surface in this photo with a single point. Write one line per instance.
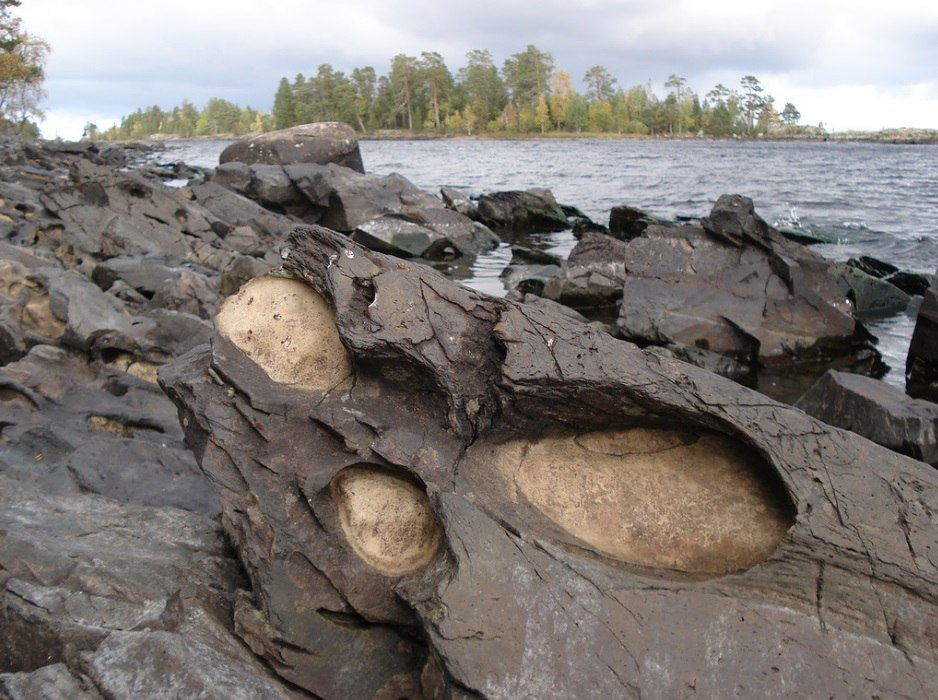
(491, 500)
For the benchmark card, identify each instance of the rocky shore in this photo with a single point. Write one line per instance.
(253, 445)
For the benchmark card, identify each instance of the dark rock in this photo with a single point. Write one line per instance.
(452, 494)
(458, 199)
(528, 210)
(805, 237)
(521, 255)
(387, 212)
(877, 411)
(921, 368)
(872, 266)
(870, 296)
(626, 223)
(320, 142)
(240, 212)
(737, 288)
(592, 275)
(911, 283)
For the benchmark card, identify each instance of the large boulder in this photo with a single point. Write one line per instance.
(319, 142)
(521, 210)
(441, 494)
(877, 411)
(921, 369)
(732, 286)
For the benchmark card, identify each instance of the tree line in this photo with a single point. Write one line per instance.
(526, 95)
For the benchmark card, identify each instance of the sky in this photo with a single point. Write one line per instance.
(849, 64)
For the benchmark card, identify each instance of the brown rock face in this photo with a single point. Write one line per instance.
(490, 500)
(320, 142)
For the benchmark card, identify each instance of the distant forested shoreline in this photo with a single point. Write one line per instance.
(526, 97)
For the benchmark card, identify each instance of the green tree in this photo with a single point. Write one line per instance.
(768, 117)
(721, 114)
(790, 114)
(542, 113)
(561, 94)
(577, 116)
(527, 75)
(22, 61)
(284, 113)
(674, 103)
(365, 82)
(752, 100)
(438, 82)
(600, 85)
(218, 117)
(402, 87)
(600, 117)
(482, 87)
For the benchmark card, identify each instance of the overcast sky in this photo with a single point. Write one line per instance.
(851, 64)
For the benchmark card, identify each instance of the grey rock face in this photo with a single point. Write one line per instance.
(319, 142)
(98, 599)
(473, 498)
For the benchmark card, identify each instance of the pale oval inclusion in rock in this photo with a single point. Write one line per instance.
(386, 519)
(288, 330)
(688, 501)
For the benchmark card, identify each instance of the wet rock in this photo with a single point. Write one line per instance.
(592, 275)
(484, 499)
(877, 411)
(319, 142)
(870, 296)
(626, 222)
(921, 369)
(910, 283)
(528, 210)
(735, 287)
(459, 199)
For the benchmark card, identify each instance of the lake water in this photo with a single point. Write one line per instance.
(869, 199)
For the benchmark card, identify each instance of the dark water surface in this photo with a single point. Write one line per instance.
(869, 199)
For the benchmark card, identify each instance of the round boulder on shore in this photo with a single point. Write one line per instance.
(319, 142)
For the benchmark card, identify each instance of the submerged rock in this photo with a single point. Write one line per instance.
(440, 494)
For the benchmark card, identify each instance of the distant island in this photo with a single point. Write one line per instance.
(527, 97)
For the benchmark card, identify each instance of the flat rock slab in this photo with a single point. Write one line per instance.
(490, 500)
